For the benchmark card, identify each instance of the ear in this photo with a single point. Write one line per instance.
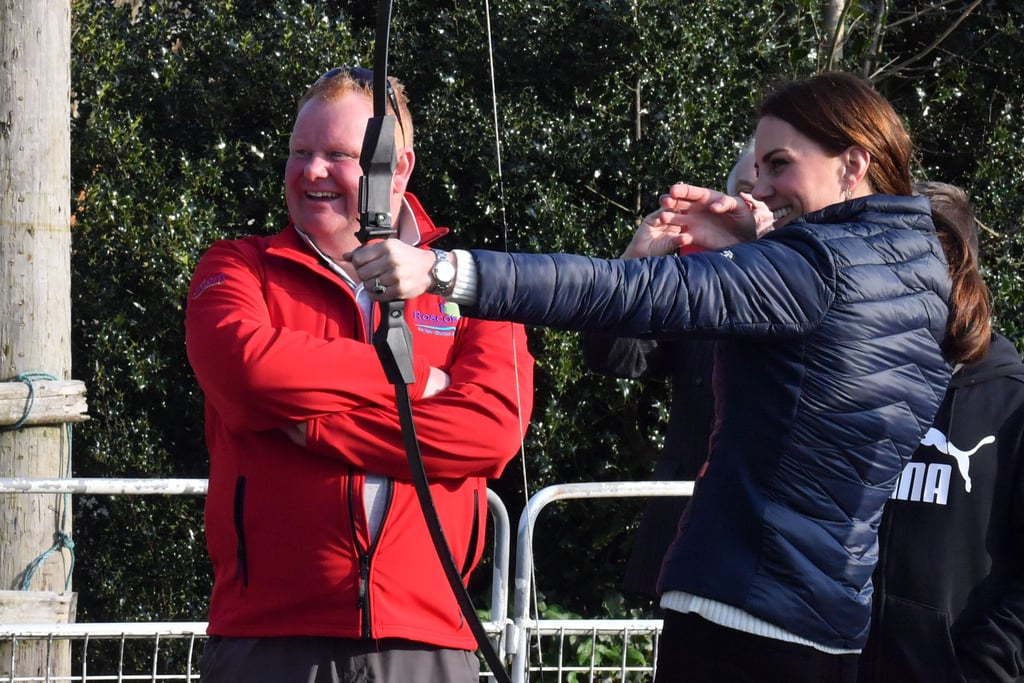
(403, 169)
(857, 160)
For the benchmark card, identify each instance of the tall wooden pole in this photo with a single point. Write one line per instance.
(35, 299)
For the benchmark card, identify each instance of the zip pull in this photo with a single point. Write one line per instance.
(364, 579)
(364, 594)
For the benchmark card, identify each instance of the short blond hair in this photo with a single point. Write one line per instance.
(339, 81)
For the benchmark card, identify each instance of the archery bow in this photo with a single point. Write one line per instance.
(392, 339)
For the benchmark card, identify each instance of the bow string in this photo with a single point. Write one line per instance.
(392, 339)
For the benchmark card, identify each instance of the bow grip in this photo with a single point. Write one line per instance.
(378, 159)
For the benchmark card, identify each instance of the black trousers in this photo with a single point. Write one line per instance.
(333, 660)
(695, 650)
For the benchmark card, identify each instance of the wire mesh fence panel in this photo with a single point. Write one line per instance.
(101, 657)
(593, 651)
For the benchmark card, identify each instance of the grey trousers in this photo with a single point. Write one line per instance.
(333, 660)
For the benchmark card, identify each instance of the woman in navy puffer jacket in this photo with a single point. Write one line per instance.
(831, 363)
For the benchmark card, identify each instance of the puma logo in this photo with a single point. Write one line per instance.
(938, 440)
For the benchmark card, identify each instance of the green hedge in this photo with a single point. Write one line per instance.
(180, 117)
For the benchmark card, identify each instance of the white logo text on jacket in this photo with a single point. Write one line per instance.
(929, 482)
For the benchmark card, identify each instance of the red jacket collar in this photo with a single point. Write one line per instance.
(428, 232)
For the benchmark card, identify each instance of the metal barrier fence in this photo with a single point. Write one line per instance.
(600, 649)
(573, 650)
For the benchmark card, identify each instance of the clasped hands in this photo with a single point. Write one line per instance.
(689, 215)
(698, 217)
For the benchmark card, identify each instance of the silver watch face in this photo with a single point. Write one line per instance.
(444, 273)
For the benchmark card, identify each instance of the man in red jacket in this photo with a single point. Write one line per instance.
(323, 565)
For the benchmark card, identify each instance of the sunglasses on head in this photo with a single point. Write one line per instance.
(364, 77)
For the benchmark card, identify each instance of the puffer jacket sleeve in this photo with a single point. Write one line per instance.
(780, 286)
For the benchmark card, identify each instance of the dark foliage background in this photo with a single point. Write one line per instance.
(180, 121)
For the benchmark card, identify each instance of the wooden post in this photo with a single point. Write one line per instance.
(40, 402)
(35, 286)
(30, 656)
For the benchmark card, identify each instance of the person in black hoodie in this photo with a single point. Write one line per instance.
(949, 584)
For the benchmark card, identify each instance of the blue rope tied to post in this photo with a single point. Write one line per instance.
(29, 379)
(61, 540)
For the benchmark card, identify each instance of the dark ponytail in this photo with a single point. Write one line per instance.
(969, 328)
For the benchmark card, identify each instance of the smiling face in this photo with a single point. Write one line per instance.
(795, 175)
(321, 177)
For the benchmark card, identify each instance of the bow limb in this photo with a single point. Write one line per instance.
(392, 339)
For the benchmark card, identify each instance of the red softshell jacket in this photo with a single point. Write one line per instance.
(276, 338)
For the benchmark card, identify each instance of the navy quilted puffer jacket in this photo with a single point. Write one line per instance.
(828, 373)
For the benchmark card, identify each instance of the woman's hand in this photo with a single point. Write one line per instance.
(763, 220)
(704, 218)
(655, 237)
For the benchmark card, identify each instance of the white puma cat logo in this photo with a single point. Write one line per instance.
(963, 458)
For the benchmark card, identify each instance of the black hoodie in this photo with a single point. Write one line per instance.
(949, 586)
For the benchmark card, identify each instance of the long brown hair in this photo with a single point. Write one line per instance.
(970, 312)
(838, 110)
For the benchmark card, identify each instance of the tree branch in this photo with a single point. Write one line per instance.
(934, 44)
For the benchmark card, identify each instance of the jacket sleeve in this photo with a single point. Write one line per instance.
(472, 428)
(773, 286)
(259, 376)
(993, 649)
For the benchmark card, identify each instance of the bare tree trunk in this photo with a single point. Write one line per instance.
(35, 305)
(833, 29)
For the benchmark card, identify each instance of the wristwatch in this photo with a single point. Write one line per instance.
(443, 273)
